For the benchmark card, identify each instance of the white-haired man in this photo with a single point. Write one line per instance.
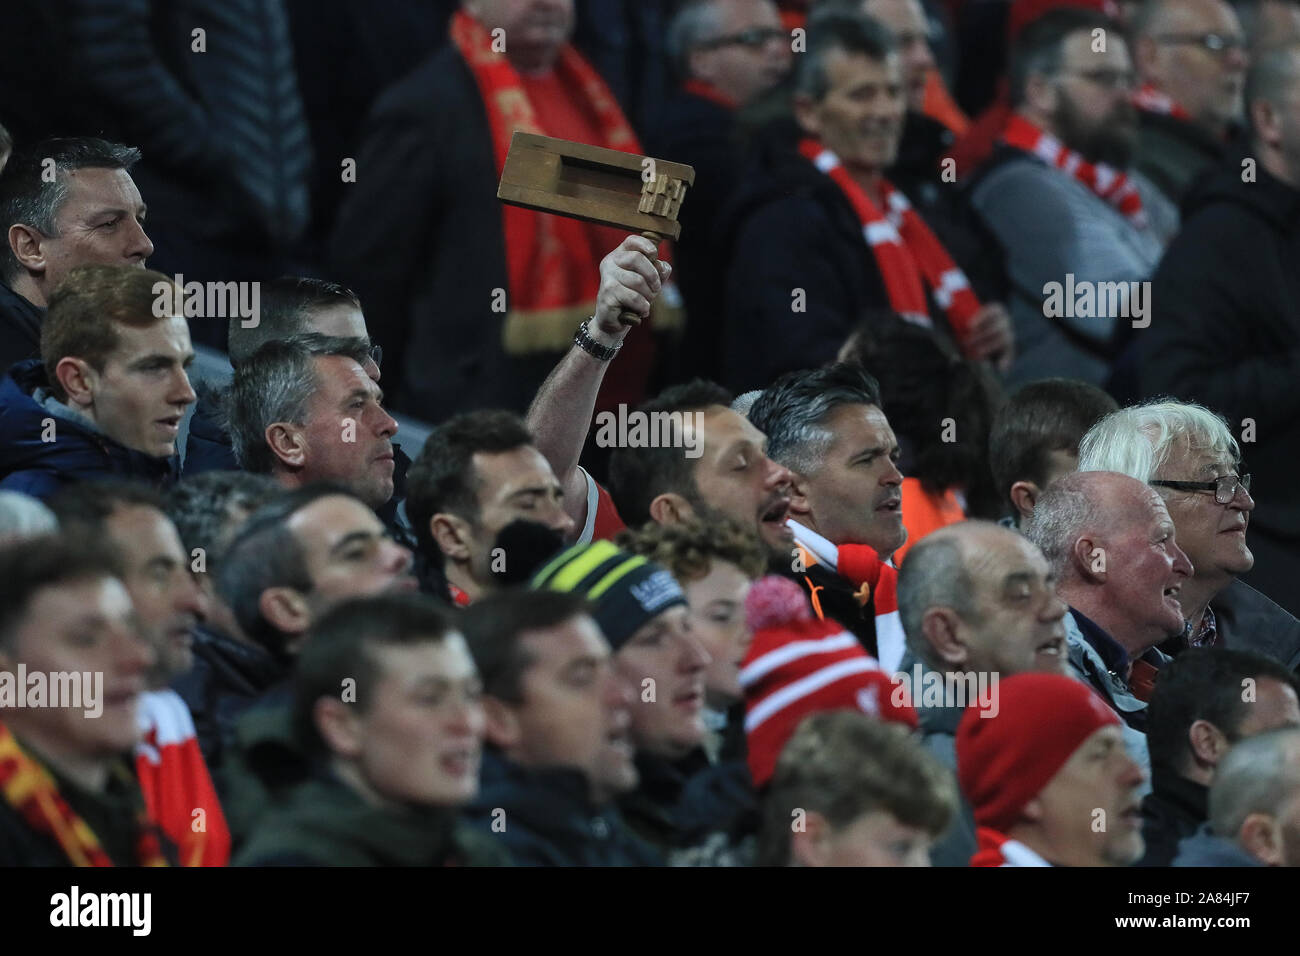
(1188, 455)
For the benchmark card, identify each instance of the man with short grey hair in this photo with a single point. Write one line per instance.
(304, 410)
(1254, 806)
(978, 604)
(1112, 544)
(1187, 453)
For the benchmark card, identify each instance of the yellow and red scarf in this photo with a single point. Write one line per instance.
(553, 273)
(30, 789)
(910, 257)
(1105, 182)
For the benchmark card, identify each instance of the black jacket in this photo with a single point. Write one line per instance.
(701, 133)
(837, 597)
(1225, 332)
(549, 819)
(1171, 812)
(1174, 153)
(685, 805)
(419, 237)
(227, 678)
(20, 328)
(75, 451)
(801, 275)
(1246, 620)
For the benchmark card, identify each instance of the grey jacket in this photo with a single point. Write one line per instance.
(1049, 224)
(1249, 621)
(1087, 665)
(1203, 848)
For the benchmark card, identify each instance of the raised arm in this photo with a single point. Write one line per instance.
(560, 415)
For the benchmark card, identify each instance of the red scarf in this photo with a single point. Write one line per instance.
(30, 789)
(175, 781)
(908, 254)
(1105, 182)
(553, 274)
(707, 91)
(1153, 101)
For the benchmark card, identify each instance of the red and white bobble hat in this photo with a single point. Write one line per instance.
(797, 666)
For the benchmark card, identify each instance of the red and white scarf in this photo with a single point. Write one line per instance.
(910, 257)
(1105, 182)
(996, 849)
(1151, 100)
(875, 578)
(175, 781)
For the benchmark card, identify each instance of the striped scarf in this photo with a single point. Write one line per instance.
(1105, 182)
(1151, 100)
(910, 257)
(875, 578)
(30, 789)
(995, 849)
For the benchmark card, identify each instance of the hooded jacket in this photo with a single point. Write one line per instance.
(549, 819)
(325, 823)
(44, 444)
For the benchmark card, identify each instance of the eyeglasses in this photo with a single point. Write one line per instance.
(1111, 79)
(1215, 43)
(755, 37)
(1224, 487)
(377, 355)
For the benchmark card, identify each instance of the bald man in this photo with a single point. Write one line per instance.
(1191, 60)
(978, 604)
(1111, 542)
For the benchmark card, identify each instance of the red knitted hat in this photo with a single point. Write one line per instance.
(797, 666)
(1006, 759)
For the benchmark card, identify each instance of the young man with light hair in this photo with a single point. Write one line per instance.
(1187, 454)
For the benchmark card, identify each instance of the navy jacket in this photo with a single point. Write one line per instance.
(78, 452)
(20, 327)
(227, 678)
(549, 819)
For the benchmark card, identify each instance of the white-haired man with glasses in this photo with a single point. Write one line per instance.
(1189, 456)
